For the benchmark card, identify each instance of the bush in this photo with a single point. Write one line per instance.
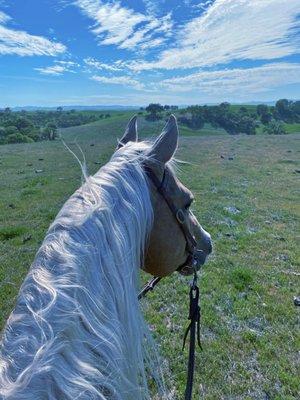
(11, 130)
(34, 134)
(153, 117)
(275, 128)
(18, 138)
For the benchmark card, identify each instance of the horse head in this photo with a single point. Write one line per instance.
(177, 240)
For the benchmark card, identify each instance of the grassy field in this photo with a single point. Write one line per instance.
(246, 197)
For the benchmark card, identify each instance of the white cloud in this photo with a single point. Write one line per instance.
(68, 63)
(23, 44)
(119, 80)
(58, 68)
(4, 17)
(237, 81)
(115, 66)
(234, 30)
(124, 27)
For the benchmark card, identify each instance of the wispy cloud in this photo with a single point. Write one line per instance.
(23, 44)
(237, 80)
(115, 66)
(4, 17)
(117, 25)
(119, 80)
(59, 68)
(234, 30)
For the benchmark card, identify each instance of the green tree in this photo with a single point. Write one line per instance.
(24, 125)
(154, 110)
(262, 109)
(50, 131)
(247, 125)
(197, 119)
(2, 135)
(283, 108)
(266, 118)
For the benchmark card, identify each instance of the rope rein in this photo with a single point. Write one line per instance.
(193, 328)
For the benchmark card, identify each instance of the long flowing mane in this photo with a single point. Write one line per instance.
(77, 331)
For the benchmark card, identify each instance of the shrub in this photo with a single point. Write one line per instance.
(11, 130)
(18, 138)
(275, 128)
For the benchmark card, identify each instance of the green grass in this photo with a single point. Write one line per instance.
(292, 128)
(250, 326)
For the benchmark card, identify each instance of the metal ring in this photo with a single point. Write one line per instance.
(180, 216)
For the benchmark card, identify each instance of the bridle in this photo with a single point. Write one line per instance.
(194, 255)
(193, 261)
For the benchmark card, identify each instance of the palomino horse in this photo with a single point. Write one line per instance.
(77, 331)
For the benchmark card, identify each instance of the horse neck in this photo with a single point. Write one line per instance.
(78, 308)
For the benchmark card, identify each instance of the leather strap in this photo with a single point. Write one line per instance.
(193, 329)
(178, 213)
(149, 287)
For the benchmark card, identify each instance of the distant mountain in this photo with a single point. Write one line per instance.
(77, 108)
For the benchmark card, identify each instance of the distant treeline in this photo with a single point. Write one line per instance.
(24, 126)
(234, 119)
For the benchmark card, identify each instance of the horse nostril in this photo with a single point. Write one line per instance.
(208, 246)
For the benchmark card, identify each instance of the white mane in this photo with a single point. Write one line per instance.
(77, 331)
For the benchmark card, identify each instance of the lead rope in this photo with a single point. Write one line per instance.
(193, 328)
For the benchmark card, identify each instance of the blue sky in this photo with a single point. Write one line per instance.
(90, 52)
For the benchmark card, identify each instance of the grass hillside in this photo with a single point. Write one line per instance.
(246, 197)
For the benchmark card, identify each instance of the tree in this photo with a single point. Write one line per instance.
(243, 110)
(262, 109)
(197, 119)
(247, 125)
(266, 118)
(283, 108)
(154, 110)
(50, 131)
(24, 124)
(59, 109)
(2, 131)
(2, 135)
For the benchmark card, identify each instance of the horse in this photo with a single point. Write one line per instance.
(77, 330)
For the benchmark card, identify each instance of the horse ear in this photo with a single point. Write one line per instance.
(130, 134)
(166, 144)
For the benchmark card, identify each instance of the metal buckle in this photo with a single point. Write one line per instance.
(180, 216)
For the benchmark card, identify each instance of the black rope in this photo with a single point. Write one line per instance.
(193, 329)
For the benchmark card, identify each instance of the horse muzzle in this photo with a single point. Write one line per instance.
(194, 261)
